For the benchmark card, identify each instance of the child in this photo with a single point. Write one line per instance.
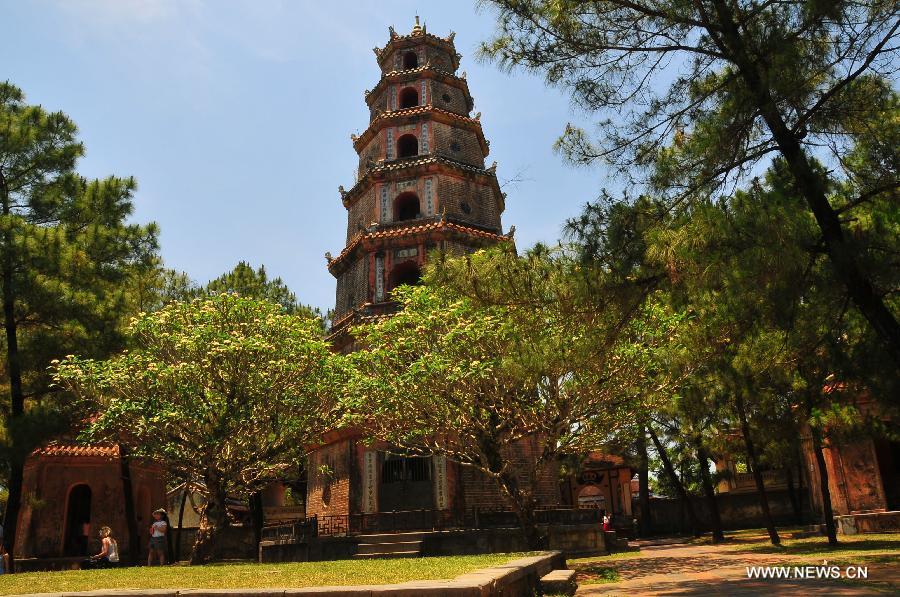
(109, 551)
(158, 531)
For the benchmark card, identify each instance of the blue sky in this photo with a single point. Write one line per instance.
(235, 118)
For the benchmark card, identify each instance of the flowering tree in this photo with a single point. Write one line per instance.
(452, 375)
(228, 390)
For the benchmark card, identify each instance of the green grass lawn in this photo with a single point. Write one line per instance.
(248, 575)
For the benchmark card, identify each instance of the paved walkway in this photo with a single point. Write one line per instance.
(681, 569)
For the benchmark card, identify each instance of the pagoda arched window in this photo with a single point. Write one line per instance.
(407, 146)
(406, 207)
(410, 60)
(409, 97)
(408, 273)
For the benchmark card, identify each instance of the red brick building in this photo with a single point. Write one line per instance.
(70, 491)
(421, 185)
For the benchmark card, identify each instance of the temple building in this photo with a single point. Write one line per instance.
(69, 491)
(422, 185)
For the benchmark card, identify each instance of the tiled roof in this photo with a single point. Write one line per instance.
(403, 163)
(427, 108)
(401, 231)
(415, 35)
(58, 449)
(356, 315)
(427, 67)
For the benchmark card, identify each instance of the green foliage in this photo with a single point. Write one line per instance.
(246, 281)
(227, 390)
(495, 349)
(227, 384)
(68, 256)
(694, 98)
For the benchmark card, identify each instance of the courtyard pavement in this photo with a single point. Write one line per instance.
(684, 569)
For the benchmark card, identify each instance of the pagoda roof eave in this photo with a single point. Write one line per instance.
(437, 226)
(376, 172)
(427, 71)
(404, 41)
(437, 114)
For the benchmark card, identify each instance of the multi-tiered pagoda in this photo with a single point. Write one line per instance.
(422, 183)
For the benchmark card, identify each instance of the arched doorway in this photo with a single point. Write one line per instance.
(407, 146)
(78, 521)
(591, 497)
(409, 97)
(406, 207)
(407, 273)
(410, 60)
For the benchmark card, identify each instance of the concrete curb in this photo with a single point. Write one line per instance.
(520, 576)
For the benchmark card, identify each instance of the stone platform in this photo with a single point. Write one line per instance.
(517, 577)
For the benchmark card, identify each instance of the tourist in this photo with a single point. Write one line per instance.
(4, 559)
(158, 531)
(109, 552)
(606, 526)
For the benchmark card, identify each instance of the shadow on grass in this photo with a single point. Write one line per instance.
(820, 546)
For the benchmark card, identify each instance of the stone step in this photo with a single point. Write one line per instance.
(559, 582)
(400, 546)
(392, 554)
(392, 537)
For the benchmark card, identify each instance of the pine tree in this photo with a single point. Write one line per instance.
(66, 253)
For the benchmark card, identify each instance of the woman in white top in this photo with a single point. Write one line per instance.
(109, 551)
(158, 531)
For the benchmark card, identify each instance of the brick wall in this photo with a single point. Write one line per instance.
(439, 58)
(373, 151)
(483, 209)
(457, 144)
(353, 286)
(455, 100)
(362, 212)
(480, 491)
(329, 494)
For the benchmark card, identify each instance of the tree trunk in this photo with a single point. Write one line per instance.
(792, 493)
(184, 498)
(213, 521)
(754, 469)
(827, 511)
(679, 487)
(134, 539)
(812, 188)
(256, 517)
(16, 394)
(644, 486)
(522, 502)
(718, 535)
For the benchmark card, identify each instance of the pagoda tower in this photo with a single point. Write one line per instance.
(421, 183)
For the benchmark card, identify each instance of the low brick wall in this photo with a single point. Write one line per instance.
(868, 522)
(737, 510)
(570, 540)
(517, 577)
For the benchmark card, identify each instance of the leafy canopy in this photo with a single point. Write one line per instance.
(228, 386)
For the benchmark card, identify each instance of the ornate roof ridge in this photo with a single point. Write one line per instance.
(434, 223)
(403, 112)
(401, 163)
(58, 448)
(410, 71)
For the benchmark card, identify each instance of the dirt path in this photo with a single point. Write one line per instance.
(682, 569)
